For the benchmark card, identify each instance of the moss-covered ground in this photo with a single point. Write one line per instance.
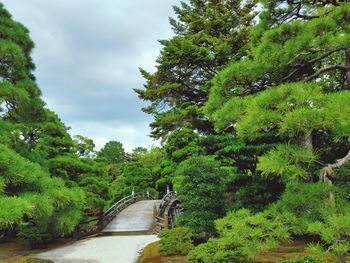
(284, 251)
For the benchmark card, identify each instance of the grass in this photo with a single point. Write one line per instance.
(283, 251)
(25, 259)
(19, 251)
(150, 255)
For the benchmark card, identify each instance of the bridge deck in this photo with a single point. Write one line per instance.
(137, 217)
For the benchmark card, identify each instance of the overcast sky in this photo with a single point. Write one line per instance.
(87, 57)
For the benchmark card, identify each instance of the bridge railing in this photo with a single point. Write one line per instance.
(162, 218)
(98, 223)
(167, 199)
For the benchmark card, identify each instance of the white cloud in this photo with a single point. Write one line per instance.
(87, 56)
(131, 135)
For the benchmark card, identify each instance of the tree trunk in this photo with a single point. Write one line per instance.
(306, 141)
(347, 64)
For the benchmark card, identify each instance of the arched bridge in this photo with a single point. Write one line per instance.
(169, 209)
(137, 213)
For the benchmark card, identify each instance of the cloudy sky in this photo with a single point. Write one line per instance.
(87, 57)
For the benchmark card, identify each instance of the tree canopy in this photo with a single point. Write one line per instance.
(208, 34)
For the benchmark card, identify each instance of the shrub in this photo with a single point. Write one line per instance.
(201, 190)
(306, 259)
(177, 241)
(242, 237)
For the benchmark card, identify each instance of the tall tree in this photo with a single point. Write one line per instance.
(113, 152)
(36, 204)
(208, 34)
(298, 50)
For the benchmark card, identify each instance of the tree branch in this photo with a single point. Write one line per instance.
(341, 161)
(327, 171)
(325, 69)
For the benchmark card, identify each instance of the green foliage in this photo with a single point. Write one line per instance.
(207, 36)
(290, 162)
(342, 179)
(136, 177)
(247, 188)
(136, 154)
(86, 173)
(315, 213)
(182, 144)
(309, 203)
(44, 185)
(115, 170)
(151, 158)
(305, 259)
(41, 206)
(179, 146)
(255, 194)
(242, 236)
(201, 192)
(269, 98)
(287, 110)
(13, 210)
(177, 241)
(290, 52)
(113, 152)
(84, 146)
(300, 211)
(294, 111)
(68, 167)
(335, 233)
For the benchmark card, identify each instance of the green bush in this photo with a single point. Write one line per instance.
(306, 259)
(177, 241)
(36, 206)
(242, 236)
(201, 187)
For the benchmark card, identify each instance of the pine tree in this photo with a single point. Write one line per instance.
(208, 34)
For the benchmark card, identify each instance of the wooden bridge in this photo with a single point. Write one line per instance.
(137, 213)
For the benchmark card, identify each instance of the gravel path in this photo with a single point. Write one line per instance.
(108, 249)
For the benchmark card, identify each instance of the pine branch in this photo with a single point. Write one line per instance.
(325, 69)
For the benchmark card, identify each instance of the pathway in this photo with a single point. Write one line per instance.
(111, 249)
(129, 231)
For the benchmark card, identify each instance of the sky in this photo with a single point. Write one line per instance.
(87, 57)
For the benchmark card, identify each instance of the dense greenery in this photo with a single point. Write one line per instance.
(251, 102)
(242, 236)
(176, 242)
(306, 259)
(273, 116)
(201, 188)
(208, 34)
(34, 203)
(49, 181)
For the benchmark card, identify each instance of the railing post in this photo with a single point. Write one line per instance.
(155, 213)
(100, 221)
(166, 222)
(76, 232)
